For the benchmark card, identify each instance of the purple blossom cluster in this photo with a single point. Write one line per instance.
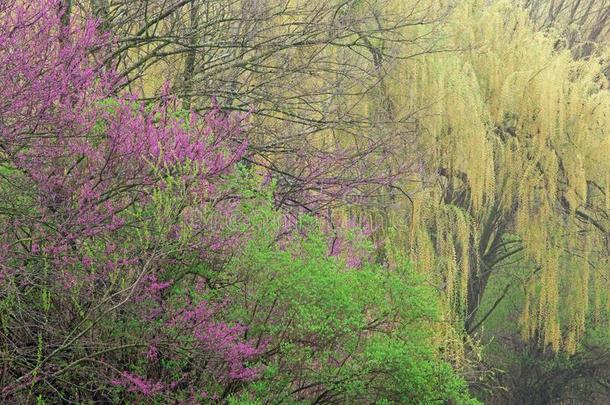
(86, 158)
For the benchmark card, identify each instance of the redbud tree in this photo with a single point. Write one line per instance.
(84, 244)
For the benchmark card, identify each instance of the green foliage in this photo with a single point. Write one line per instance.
(354, 335)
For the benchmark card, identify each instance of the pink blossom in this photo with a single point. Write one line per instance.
(135, 383)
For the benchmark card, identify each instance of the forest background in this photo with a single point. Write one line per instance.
(293, 201)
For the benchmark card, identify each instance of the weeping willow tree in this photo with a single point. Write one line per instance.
(514, 157)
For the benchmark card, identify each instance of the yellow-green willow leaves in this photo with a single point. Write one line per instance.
(515, 151)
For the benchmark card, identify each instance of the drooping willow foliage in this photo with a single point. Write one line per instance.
(514, 154)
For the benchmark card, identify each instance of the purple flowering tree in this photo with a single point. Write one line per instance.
(100, 198)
